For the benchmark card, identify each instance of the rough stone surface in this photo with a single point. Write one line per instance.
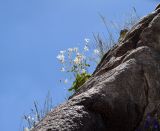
(123, 89)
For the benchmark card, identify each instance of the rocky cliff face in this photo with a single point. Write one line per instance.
(124, 88)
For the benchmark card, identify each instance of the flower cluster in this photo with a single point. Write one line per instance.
(61, 56)
(32, 121)
(150, 124)
(76, 61)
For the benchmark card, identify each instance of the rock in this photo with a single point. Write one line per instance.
(123, 89)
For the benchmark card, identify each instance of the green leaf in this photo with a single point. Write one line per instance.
(79, 81)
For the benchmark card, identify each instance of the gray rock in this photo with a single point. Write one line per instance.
(123, 89)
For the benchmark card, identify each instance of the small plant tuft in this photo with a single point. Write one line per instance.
(37, 113)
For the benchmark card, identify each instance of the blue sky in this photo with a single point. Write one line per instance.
(31, 34)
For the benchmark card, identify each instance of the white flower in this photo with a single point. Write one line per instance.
(96, 51)
(62, 69)
(78, 54)
(66, 81)
(77, 60)
(83, 70)
(86, 40)
(62, 51)
(60, 57)
(70, 49)
(29, 117)
(32, 119)
(86, 48)
(26, 129)
(81, 56)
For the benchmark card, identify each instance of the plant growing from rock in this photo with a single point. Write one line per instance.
(37, 113)
(76, 62)
(105, 42)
